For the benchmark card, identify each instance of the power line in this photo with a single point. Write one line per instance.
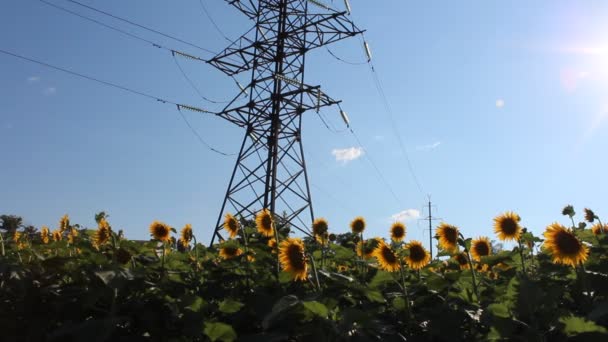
(343, 60)
(200, 139)
(114, 85)
(189, 80)
(142, 26)
(217, 28)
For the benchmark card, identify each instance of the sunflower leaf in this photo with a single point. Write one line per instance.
(316, 308)
(576, 325)
(217, 331)
(230, 306)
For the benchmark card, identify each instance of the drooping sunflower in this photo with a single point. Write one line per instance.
(387, 259)
(506, 226)
(397, 231)
(418, 256)
(448, 236)
(57, 235)
(160, 231)
(320, 227)
(480, 247)
(365, 249)
(463, 260)
(564, 246)
(597, 229)
(45, 234)
(568, 211)
(589, 215)
(357, 226)
(186, 235)
(230, 250)
(293, 258)
(64, 223)
(102, 234)
(231, 225)
(264, 223)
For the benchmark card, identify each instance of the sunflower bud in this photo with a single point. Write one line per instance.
(589, 215)
(568, 211)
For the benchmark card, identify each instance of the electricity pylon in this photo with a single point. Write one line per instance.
(270, 171)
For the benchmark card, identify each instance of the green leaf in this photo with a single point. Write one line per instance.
(197, 304)
(499, 310)
(577, 325)
(217, 331)
(381, 278)
(399, 303)
(316, 308)
(230, 306)
(375, 296)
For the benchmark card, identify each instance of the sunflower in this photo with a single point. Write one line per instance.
(597, 229)
(590, 215)
(264, 223)
(448, 236)
(322, 239)
(568, 211)
(272, 243)
(342, 268)
(357, 226)
(102, 234)
(72, 235)
(320, 227)
(45, 234)
(57, 235)
(186, 235)
(506, 226)
(17, 236)
(231, 225)
(365, 249)
(64, 223)
(397, 231)
(160, 231)
(293, 258)
(387, 259)
(229, 251)
(480, 248)
(564, 246)
(463, 260)
(418, 257)
(482, 268)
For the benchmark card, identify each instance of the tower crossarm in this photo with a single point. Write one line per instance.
(245, 53)
(247, 7)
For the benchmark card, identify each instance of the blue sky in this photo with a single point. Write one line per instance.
(500, 106)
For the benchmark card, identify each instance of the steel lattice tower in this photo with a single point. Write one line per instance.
(270, 170)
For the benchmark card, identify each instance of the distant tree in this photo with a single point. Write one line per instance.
(10, 223)
(497, 247)
(30, 231)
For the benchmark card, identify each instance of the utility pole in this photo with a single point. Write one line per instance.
(270, 171)
(430, 218)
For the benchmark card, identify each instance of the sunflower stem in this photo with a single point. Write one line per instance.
(573, 224)
(276, 237)
(2, 243)
(405, 295)
(521, 256)
(248, 268)
(162, 260)
(195, 252)
(314, 272)
(466, 250)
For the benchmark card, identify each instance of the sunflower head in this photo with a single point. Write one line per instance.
(17, 236)
(598, 229)
(418, 256)
(387, 259)
(322, 239)
(64, 223)
(507, 227)
(231, 225)
(272, 243)
(448, 236)
(589, 215)
(160, 231)
(482, 268)
(73, 233)
(102, 234)
(320, 227)
(342, 268)
(397, 231)
(480, 247)
(568, 211)
(230, 250)
(357, 226)
(264, 223)
(186, 234)
(365, 249)
(57, 236)
(45, 234)
(564, 246)
(293, 258)
(463, 260)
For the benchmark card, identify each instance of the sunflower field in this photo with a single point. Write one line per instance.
(263, 283)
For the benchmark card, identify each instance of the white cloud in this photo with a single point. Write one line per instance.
(429, 146)
(50, 91)
(406, 215)
(500, 103)
(33, 79)
(347, 154)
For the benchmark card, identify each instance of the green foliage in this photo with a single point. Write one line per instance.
(127, 290)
